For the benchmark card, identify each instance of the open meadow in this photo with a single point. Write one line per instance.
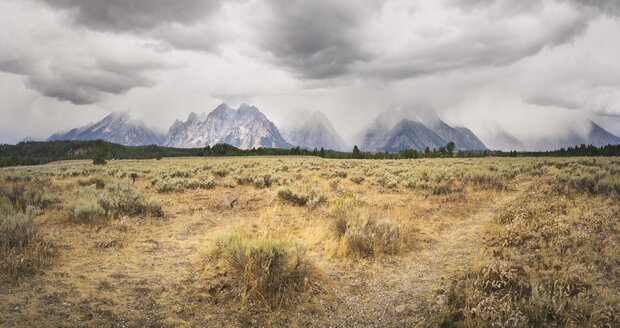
(305, 241)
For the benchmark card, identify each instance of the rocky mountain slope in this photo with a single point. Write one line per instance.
(116, 127)
(245, 127)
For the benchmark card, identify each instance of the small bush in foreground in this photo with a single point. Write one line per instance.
(229, 182)
(117, 199)
(84, 210)
(17, 229)
(308, 195)
(154, 208)
(386, 179)
(168, 185)
(269, 271)
(22, 250)
(363, 236)
(357, 178)
(22, 195)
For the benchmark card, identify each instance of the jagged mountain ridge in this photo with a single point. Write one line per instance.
(245, 127)
(311, 130)
(116, 127)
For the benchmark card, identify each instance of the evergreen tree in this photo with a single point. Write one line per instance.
(100, 152)
(356, 152)
(450, 147)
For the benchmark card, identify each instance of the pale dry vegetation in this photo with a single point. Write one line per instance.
(555, 263)
(312, 242)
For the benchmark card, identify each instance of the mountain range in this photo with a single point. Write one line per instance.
(397, 130)
(247, 127)
(116, 127)
(596, 136)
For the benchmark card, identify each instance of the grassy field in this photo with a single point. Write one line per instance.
(312, 242)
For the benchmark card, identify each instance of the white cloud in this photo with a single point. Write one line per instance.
(475, 61)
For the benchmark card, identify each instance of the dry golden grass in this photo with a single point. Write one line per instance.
(385, 243)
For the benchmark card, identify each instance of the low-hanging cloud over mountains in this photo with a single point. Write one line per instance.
(474, 61)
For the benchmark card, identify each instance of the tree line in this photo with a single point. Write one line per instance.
(35, 153)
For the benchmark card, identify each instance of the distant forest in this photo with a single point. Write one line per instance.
(34, 153)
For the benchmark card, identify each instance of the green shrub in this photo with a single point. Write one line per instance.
(168, 185)
(386, 179)
(84, 210)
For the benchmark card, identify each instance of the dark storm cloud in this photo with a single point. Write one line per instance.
(80, 84)
(494, 33)
(329, 39)
(606, 7)
(316, 39)
(471, 51)
(135, 15)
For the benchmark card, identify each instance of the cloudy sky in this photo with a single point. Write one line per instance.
(533, 68)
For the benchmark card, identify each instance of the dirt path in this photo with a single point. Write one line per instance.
(402, 295)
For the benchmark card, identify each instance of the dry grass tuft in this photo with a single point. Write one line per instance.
(270, 271)
(364, 236)
(307, 195)
(22, 249)
(117, 199)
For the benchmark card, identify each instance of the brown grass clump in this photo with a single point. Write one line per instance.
(22, 250)
(22, 195)
(357, 178)
(593, 180)
(485, 179)
(270, 271)
(117, 199)
(308, 195)
(364, 236)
